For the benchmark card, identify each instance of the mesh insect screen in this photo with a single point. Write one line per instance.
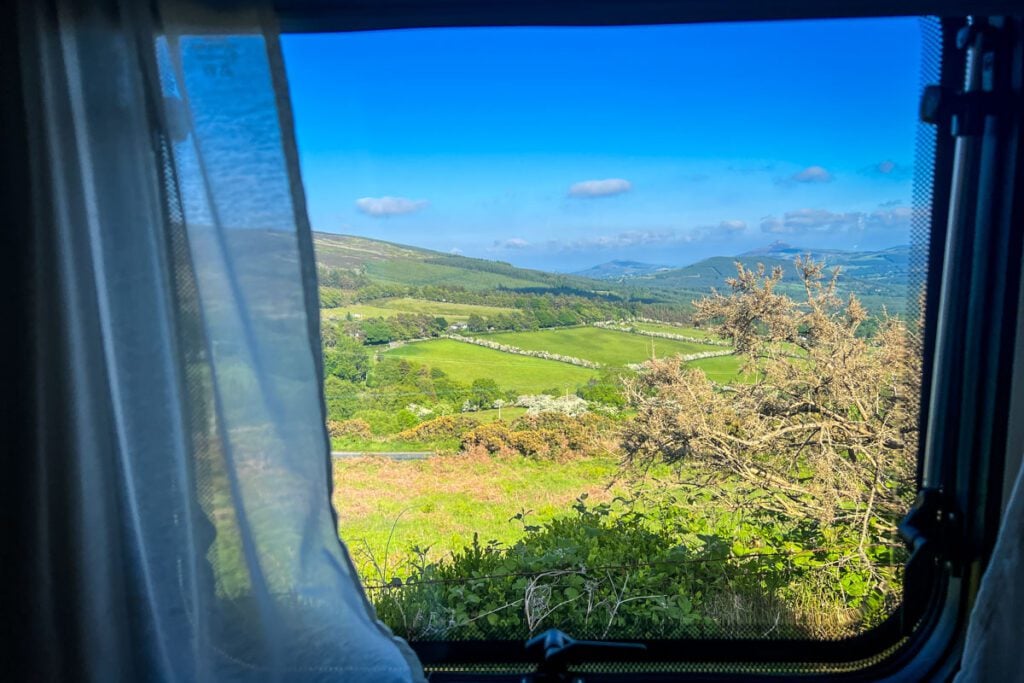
(502, 601)
(712, 569)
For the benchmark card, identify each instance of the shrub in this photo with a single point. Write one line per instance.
(539, 442)
(545, 435)
(357, 427)
(495, 437)
(331, 297)
(341, 397)
(581, 434)
(388, 422)
(625, 570)
(444, 427)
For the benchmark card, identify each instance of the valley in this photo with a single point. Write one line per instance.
(525, 398)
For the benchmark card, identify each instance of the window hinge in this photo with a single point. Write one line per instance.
(932, 529)
(557, 650)
(964, 110)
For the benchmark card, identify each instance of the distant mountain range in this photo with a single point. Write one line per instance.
(878, 277)
(616, 270)
(886, 265)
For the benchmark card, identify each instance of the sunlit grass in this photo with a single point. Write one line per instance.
(387, 507)
(466, 362)
(608, 347)
(389, 308)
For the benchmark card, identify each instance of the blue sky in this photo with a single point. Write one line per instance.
(561, 148)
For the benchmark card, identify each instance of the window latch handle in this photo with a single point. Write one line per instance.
(557, 649)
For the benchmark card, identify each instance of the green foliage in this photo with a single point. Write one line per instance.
(346, 359)
(606, 388)
(444, 427)
(391, 370)
(339, 278)
(331, 297)
(484, 391)
(377, 331)
(640, 568)
(341, 398)
(383, 422)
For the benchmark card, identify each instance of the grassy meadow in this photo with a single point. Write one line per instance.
(420, 273)
(467, 362)
(695, 332)
(388, 308)
(608, 347)
(446, 499)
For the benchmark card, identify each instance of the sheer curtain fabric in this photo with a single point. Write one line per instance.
(185, 526)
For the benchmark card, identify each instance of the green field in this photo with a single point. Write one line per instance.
(448, 309)
(418, 273)
(387, 308)
(695, 332)
(723, 369)
(445, 499)
(608, 347)
(357, 311)
(466, 362)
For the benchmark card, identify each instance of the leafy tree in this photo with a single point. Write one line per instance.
(484, 392)
(476, 324)
(378, 331)
(606, 388)
(390, 371)
(331, 297)
(341, 398)
(346, 359)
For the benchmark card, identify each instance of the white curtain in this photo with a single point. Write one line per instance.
(993, 648)
(185, 529)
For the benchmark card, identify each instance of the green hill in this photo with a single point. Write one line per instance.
(348, 262)
(879, 278)
(376, 261)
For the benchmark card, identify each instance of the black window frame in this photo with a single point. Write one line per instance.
(972, 290)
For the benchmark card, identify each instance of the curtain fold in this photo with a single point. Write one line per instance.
(992, 648)
(185, 531)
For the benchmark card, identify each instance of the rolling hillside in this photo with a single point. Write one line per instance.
(617, 270)
(878, 277)
(397, 264)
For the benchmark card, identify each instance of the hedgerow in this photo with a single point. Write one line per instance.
(644, 569)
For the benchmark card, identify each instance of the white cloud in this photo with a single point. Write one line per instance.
(389, 206)
(455, 251)
(729, 227)
(512, 243)
(629, 238)
(813, 174)
(890, 169)
(644, 238)
(600, 188)
(822, 221)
